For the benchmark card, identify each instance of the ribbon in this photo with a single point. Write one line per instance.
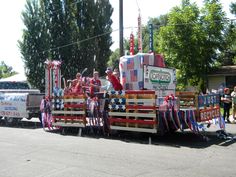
(180, 118)
(165, 120)
(219, 121)
(195, 126)
(172, 119)
(176, 118)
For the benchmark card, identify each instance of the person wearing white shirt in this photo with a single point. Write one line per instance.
(233, 95)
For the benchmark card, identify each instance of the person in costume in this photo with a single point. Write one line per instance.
(95, 84)
(113, 79)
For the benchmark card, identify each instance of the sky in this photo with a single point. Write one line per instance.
(12, 25)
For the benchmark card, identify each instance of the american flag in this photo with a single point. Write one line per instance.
(144, 60)
(129, 86)
(140, 85)
(121, 66)
(159, 60)
(123, 78)
(134, 75)
(130, 63)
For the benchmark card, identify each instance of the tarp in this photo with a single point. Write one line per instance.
(131, 69)
(18, 77)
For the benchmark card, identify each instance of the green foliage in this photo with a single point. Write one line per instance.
(228, 51)
(77, 33)
(157, 23)
(33, 44)
(233, 8)
(114, 59)
(191, 39)
(103, 23)
(6, 71)
(232, 34)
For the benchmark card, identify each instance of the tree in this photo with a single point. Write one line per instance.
(233, 32)
(233, 8)
(6, 71)
(157, 23)
(213, 23)
(114, 59)
(73, 32)
(103, 41)
(60, 17)
(191, 39)
(35, 40)
(227, 54)
(179, 41)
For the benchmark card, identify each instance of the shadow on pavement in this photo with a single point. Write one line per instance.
(177, 139)
(24, 123)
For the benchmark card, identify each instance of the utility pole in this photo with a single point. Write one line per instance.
(121, 28)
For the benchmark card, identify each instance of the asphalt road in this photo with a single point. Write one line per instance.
(28, 151)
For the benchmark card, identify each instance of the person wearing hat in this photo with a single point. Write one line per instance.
(116, 73)
(226, 99)
(113, 79)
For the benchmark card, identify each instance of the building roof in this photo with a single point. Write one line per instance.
(17, 77)
(223, 71)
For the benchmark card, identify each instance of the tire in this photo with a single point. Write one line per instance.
(12, 120)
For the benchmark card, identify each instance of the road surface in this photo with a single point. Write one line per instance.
(28, 151)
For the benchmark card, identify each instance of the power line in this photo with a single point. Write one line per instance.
(137, 5)
(77, 42)
(103, 34)
(192, 23)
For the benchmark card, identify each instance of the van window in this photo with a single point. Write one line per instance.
(14, 85)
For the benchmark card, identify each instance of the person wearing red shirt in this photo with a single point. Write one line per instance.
(95, 84)
(116, 73)
(77, 84)
(113, 79)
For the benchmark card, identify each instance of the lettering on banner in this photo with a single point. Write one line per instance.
(5, 103)
(13, 98)
(212, 99)
(208, 114)
(160, 76)
(13, 105)
(10, 114)
(160, 87)
(208, 100)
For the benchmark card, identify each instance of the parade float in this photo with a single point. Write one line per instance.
(67, 109)
(148, 102)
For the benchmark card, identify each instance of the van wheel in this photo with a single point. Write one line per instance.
(11, 120)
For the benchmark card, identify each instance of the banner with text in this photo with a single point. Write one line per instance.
(159, 79)
(13, 105)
